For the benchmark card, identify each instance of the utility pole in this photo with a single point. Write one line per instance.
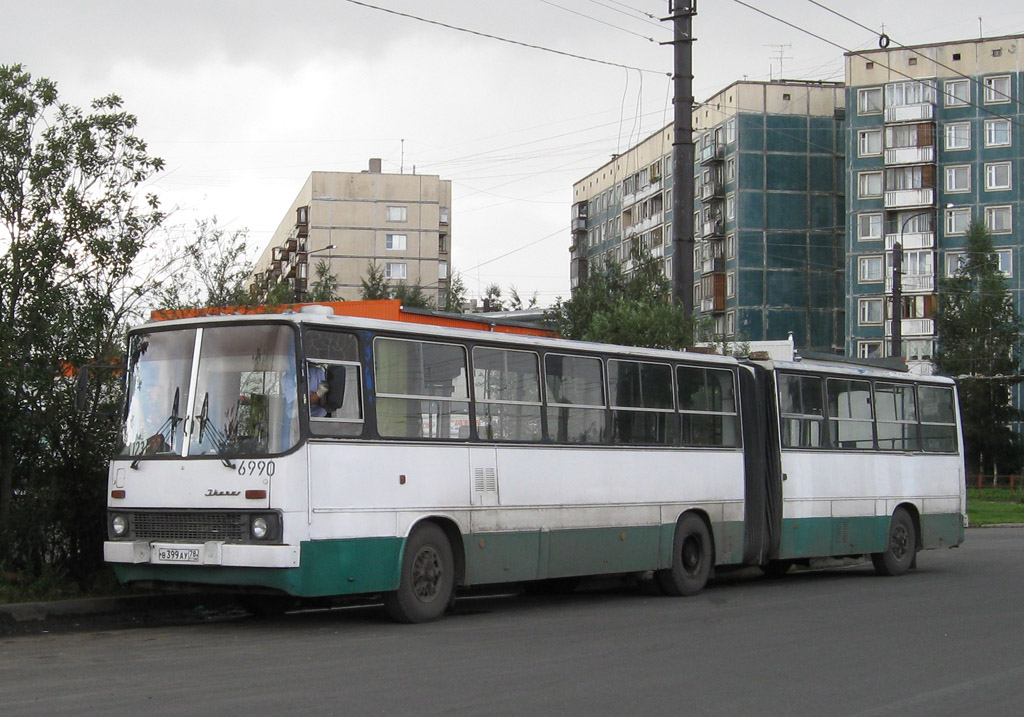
(681, 13)
(897, 299)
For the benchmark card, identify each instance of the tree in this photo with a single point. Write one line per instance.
(632, 308)
(454, 295)
(492, 299)
(375, 285)
(323, 289)
(979, 334)
(211, 269)
(515, 301)
(71, 229)
(411, 296)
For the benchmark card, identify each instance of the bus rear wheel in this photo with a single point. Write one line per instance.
(691, 559)
(901, 548)
(427, 581)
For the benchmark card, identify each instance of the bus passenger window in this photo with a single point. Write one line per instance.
(896, 416)
(850, 414)
(575, 398)
(506, 386)
(938, 419)
(800, 411)
(641, 399)
(422, 389)
(707, 407)
(334, 386)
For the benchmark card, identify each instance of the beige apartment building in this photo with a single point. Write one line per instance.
(401, 222)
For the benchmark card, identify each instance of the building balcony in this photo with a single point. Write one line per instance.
(713, 228)
(913, 327)
(910, 155)
(713, 265)
(913, 283)
(579, 224)
(714, 152)
(910, 113)
(911, 240)
(901, 198)
(712, 190)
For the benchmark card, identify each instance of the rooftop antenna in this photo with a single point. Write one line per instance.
(782, 56)
(980, 33)
(401, 163)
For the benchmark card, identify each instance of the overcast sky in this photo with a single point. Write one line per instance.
(244, 98)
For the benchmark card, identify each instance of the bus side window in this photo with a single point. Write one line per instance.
(938, 419)
(896, 416)
(506, 388)
(422, 389)
(850, 414)
(641, 400)
(800, 411)
(575, 399)
(333, 383)
(707, 406)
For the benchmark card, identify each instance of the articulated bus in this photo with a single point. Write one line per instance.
(311, 455)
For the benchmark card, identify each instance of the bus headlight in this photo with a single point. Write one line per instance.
(265, 527)
(119, 525)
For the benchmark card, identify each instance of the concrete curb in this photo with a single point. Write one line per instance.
(37, 611)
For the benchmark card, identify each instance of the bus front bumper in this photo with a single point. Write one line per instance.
(214, 552)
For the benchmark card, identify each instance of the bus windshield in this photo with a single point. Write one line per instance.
(241, 400)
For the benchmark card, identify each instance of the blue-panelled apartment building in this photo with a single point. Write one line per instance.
(803, 188)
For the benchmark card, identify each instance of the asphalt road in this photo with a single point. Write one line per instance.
(945, 639)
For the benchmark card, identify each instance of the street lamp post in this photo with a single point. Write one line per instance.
(299, 292)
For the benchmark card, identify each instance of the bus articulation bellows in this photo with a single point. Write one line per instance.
(306, 455)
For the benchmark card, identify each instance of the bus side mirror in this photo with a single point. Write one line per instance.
(335, 397)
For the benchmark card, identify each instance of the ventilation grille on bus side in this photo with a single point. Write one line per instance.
(485, 480)
(189, 525)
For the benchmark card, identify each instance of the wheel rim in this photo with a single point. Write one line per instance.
(427, 573)
(899, 544)
(691, 555)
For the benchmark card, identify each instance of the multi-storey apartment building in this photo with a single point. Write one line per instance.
(934, 139)
(400, 222)
(768, 185)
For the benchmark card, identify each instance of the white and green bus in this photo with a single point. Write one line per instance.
(307, 455)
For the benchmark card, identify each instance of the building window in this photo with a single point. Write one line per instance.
(958, 93)
(730, 246)
(910, 92)
(957, 260)
(869, 184)
(869, 226)
(918, 349)
(870, 268)
(730, 284)
(730, 207)
(958, 135)
(869, 349)
(869, 100)
(395, 242)
(396, 214)
(730, 323)
(997, 89)
(997, 176)
(999, 220)
(442, 270)
(730, 169)
(957, 220)
(997, 133)
(730, 131)
(396, 270)
(870, 142)
(918, 262)
(869, 311)
(958, 178)
(1005, 259)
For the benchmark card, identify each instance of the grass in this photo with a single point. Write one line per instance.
(991, 506)
(51, 586)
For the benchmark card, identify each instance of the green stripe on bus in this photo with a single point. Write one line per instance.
(821, 537)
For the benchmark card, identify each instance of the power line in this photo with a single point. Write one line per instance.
(911, 49)
(882, 64)
(598, 20)
(502, 39)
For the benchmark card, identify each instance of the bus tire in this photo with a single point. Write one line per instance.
(427, 581)
(691, 558)
(901, 547)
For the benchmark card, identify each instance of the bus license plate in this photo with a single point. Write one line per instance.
(177, 555)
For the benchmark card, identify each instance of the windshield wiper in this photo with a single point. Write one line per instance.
(205, 424)
(165, 432)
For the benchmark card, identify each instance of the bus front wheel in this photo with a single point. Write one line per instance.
(427, 581)
(900, 548)
(691, 559)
